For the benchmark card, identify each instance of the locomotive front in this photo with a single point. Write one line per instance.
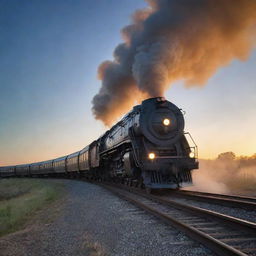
(161, 151)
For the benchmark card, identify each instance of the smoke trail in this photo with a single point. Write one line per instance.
(172, 40)
(226, 176)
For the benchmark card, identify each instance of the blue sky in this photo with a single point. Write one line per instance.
(49, 54)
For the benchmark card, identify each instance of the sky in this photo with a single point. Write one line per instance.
(49, 55)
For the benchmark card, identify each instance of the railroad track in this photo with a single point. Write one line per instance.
(247, 203)
(235, 197)
(224, 235)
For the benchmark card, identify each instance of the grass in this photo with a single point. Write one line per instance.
(92, 248)
(20, 199)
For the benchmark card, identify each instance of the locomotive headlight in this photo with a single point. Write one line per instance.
(151, 156)
(166, 122)
(191, 154)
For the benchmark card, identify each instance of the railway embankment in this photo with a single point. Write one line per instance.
(91, 220)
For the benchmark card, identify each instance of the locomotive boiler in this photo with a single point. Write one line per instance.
(148, 147)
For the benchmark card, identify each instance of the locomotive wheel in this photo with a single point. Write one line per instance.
(140, 183)
(148, 190)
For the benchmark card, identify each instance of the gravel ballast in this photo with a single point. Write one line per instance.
(92, 221)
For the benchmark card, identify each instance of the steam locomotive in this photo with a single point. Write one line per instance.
(148, 147)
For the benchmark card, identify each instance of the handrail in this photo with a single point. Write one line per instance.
(195, 145)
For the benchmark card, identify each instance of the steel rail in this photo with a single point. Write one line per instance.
(243, 225)
(235, 203)
(216, 245)
(236, 197)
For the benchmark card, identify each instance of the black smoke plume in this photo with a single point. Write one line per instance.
(173, 40)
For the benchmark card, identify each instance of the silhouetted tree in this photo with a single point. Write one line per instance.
(227, 156)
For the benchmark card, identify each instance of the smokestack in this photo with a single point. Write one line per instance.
(173, 40)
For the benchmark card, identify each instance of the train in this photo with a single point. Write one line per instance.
(148, 147)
